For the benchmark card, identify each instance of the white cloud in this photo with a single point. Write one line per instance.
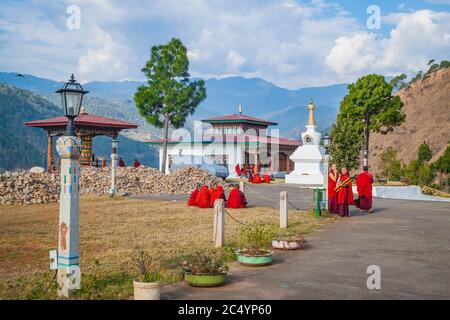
(289, 43)
(235, 61)
(416, 38)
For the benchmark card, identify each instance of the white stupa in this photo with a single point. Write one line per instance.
(308, 158)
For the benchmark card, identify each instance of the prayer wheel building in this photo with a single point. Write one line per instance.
(87, 126)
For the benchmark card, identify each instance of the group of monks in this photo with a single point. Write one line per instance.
(340, 194)
(204, 197)
(252, 174)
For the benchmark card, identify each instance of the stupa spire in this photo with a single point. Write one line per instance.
(311, 107)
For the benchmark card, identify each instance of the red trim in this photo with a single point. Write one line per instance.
(83, 120)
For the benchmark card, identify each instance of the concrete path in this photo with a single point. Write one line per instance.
(267, 195)
(408, 240)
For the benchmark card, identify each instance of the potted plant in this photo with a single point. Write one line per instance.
(287, 242)
(256, 254)
(147, 285)
(204, 271)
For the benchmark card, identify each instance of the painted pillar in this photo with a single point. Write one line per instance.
(49, 152)
(86, 150)
(114, 158)
(69, 149)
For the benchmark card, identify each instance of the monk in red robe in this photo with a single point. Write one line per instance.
(364, 183)
(193, 198)
(203, 198)
(257, 178)
(238, 170)
(266, 177)
(333, 177)
(344, 193)
(212, 193)
(236, 199)
(218, 194)
(244, 171)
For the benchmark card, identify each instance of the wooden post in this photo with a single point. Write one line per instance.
(219, 222)
(283, 210)
(49, 152)
(242, 186)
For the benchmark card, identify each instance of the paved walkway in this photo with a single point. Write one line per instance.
(408, 240)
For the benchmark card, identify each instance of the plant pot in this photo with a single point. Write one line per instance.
(146, 290)
(287, 244)
(205, 280)
(255, 260)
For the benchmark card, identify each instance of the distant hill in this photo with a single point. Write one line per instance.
(23, 147)
(259, 98)
(427, 109)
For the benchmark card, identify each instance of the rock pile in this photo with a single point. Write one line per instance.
(28, 188)
(185, 180)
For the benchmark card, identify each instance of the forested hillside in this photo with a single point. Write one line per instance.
(23, 147)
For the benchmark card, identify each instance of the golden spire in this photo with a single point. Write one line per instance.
(311, 108)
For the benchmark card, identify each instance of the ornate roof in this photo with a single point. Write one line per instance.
(239, 118)
(84, 119)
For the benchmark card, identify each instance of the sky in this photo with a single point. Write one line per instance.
(291, 43)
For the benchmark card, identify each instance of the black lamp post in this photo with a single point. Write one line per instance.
(326, 142)
(71, 98)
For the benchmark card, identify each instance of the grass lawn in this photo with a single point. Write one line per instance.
(111, 232)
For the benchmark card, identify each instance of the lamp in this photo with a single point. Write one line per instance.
(326, 142)
(71, 98)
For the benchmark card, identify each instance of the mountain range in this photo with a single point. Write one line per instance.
(259, 99)
(30, 98)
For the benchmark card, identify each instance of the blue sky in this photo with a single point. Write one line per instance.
(290, 43)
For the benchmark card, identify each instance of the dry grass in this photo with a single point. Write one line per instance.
(113, 230)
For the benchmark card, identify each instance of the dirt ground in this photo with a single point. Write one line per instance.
(112, 230)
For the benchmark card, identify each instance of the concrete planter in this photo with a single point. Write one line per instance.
(146, 290)
(255, 260)
(205, 280)
(287, 244)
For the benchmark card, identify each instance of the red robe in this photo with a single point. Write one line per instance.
(193, 198)
(364, 186)
(238, 170)
(121, 163)
(244, 171)
(218, 194)
(212, 193)
(266, 177)
(203, 198)
(332, 198)
(136, 164)
(345, 192)
(257, 178)
(236, 199)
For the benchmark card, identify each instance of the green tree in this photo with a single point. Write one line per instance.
(370, 106)
(390, 166)
(424, 153)
(442, 166)
(346, 144)
(169, 96)
(398, 81)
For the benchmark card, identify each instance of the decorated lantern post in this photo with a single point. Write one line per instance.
(69, 149)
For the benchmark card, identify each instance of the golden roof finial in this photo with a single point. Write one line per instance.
(311, 107)
(83, 110)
